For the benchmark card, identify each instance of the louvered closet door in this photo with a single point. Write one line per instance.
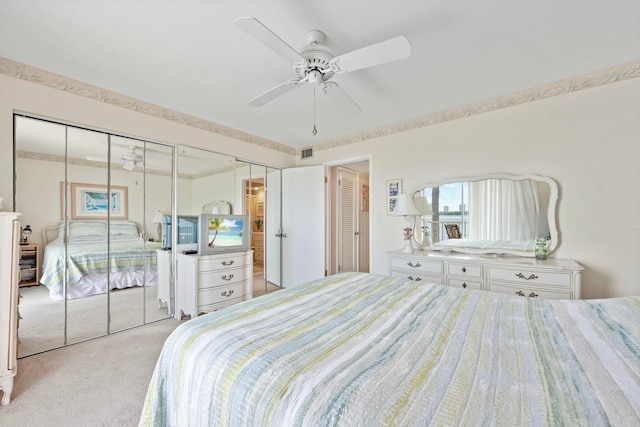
(347, 220)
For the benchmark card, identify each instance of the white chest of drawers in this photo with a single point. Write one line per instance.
(9, 254)
(527, 277)
(211, 282)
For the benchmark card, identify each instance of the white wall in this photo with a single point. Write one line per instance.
(33, 98)
(588, 141)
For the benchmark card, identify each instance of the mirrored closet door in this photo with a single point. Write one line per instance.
(92, 200)
(261, 202)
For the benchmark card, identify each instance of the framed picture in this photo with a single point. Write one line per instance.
(364, 206)
(260, 209)
(91, 201)
(394, 189)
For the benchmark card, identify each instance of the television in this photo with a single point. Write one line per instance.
(186, 231)
(220, 233)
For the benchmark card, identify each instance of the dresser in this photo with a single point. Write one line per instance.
(164, 278)
(527, 277)
(211, 282)
(9, 269)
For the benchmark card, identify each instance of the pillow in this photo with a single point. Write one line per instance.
(123, 228)
(86, 228)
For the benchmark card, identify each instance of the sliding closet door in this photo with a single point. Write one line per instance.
(92, 191)
(127, 256)
(86, 206)
(40, 146)
(158, 295)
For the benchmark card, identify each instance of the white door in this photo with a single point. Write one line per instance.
(273, 227)
(303, 225)
(347, 220)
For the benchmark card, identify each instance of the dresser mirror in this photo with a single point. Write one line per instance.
(490, 214)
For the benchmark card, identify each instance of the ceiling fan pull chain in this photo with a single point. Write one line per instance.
(314, 131)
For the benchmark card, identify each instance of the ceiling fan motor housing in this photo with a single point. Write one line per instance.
(318, 58)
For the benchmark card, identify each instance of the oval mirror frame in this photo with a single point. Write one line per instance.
(423, 240)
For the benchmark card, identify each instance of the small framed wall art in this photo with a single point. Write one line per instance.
(394, 189)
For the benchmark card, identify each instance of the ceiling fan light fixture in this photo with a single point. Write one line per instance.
(315, 63)
(129, 164)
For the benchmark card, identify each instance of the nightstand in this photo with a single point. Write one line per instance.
(29, 274)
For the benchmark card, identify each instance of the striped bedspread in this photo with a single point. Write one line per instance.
(367, 350)
(88, 255)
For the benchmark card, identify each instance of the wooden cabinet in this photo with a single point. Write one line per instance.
(527, 277)
(258, 246)
(29, 262)
(9, 256)
(211, 282)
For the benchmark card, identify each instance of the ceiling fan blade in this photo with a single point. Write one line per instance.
(258, 31)
(341, 100)
(272, 94)
(370, 56)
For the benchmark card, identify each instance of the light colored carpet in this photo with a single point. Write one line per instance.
(101, 382)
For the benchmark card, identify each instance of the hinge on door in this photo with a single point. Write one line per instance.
(325, 273)
(325, 180)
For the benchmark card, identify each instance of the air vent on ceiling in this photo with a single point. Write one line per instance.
(306, 153)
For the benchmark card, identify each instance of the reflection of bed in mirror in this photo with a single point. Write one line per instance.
(131, 260)
(490, 214)
(498, 246)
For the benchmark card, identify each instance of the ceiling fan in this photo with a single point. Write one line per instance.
(315, 64)
(130, 159)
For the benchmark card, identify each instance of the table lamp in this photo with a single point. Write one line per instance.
(406, 208)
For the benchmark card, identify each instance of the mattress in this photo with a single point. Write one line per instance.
(131, 262)
(367, 350)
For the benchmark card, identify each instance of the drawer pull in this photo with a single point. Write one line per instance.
(464, 285)
(416, 279)
(228, 262)
(416, 265)
(227, 277)
(531, 295)
(522, 276)
(227, 293)
(464, 269)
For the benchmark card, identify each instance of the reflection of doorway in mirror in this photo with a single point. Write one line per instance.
(254, 207)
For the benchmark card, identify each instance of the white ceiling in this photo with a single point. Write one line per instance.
(190, 57)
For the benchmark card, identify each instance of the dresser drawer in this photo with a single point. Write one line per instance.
(211, 279)
(202, 309)
(417, 265)
(535, 277)
(221, 293)
(465, 284)
(529, 291)
(217, 263)
(417, 276)
(460, 269)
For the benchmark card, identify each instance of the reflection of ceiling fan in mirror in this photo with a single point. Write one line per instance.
(315, 63)
(131, 159)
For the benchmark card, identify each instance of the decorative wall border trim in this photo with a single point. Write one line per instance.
(31, 74)
(563, 87)
(55, 81)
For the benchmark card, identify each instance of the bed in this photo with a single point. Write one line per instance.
(367, 350)
(497, 245)
(132, 261)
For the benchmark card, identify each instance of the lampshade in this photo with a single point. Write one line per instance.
(422, 204)
(158, 217)
(405, 206)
